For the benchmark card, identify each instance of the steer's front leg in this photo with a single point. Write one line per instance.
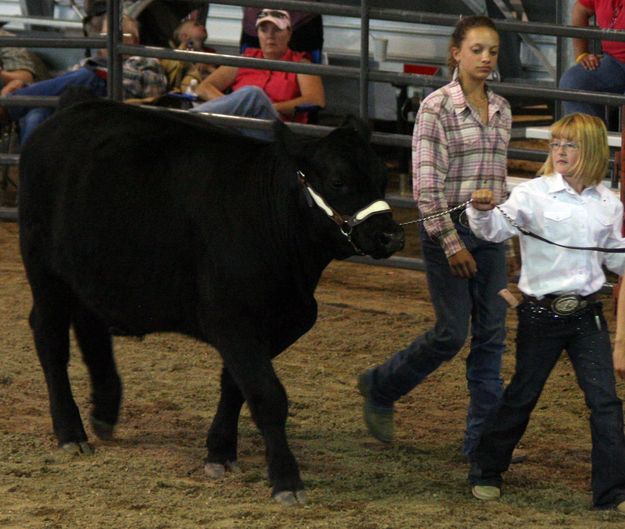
(254, 375)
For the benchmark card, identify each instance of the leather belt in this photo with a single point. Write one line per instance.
(563, 304)
(459, 217)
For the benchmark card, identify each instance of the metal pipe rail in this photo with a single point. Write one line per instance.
(42, 21)
(348, 72)
(23, 41)
(421, 17)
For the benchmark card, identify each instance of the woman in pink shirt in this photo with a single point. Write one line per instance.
(263, 94)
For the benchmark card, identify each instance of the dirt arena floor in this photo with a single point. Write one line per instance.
(151, 476)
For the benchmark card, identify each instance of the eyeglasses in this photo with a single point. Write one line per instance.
(274, 14)
(566, 145)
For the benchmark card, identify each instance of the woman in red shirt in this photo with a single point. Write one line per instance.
(597, 73)
(263, 94)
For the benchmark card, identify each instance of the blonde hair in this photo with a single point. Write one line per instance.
(591, 135)
(463, 26)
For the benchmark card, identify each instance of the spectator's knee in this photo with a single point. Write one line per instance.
(253, 93)
(573, 79)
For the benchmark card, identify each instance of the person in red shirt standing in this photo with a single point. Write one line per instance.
(597, 73)
(263, 94)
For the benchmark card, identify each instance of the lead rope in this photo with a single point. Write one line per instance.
(438, 214)
(515, 225)
(538, 237)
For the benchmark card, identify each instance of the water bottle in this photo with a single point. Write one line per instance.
(191, 88)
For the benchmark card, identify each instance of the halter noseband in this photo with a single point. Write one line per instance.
(345, 223)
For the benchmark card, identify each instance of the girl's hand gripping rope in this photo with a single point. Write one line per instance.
(483, 200)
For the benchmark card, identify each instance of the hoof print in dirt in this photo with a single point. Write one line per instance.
(288, 497)
(78, 449)
(218, 470)
(103, 430)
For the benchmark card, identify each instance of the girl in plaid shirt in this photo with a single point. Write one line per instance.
(459, 145)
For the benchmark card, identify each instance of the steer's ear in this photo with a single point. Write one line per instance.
(358, 125)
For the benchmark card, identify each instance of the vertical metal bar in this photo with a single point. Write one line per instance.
(364, 59)
(114, 37)
(561, 57)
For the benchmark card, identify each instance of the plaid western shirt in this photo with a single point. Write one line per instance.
(141, 76)
(454, 154)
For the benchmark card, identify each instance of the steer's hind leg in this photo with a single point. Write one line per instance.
(50, 320)
(252, 371)
(221, 441)
(106, 387)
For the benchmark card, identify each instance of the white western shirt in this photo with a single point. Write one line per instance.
(548, 206)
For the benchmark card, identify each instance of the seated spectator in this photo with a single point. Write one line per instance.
(307, 30)
(190, 35)
(19, 67)
(597, 73)
(263, 93)
(142, 77)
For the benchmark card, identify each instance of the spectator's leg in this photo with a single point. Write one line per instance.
(609, 77)
(249, 101)
(31, 120)
(54, 87)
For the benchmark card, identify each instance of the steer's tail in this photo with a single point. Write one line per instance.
(73, 95)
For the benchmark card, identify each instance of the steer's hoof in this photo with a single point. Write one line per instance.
(103, 430)
(288, 497)
(78, 449)
(218, 470)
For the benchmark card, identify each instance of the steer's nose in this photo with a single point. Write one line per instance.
(393, 241)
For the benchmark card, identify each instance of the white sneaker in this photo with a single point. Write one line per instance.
(486, 492)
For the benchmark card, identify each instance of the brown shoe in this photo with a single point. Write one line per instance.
(379, 419)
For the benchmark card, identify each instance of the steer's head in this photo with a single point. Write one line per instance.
(345, 181)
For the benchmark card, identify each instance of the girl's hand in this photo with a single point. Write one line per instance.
(482, 199)
(462, 264)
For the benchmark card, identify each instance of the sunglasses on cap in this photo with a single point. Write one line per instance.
(270, 13)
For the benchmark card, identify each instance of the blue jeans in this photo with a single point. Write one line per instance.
(541, 338)
(609, 77)
(31, 117)
(457, 303)
(249, 101)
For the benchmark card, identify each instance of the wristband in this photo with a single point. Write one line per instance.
(581, 57)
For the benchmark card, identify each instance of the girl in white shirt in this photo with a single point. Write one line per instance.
(567, 204)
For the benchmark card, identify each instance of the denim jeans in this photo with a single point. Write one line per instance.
(609, 77)
(249, 101)
(457, 303)
(541, 338)
(31, 117)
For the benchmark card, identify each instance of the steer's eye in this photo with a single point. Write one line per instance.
(337, 184)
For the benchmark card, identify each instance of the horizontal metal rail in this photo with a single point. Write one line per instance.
(42, 21)
(347, 72)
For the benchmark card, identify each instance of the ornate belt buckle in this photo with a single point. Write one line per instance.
(567, 304)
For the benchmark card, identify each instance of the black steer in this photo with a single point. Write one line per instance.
(133, 221)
